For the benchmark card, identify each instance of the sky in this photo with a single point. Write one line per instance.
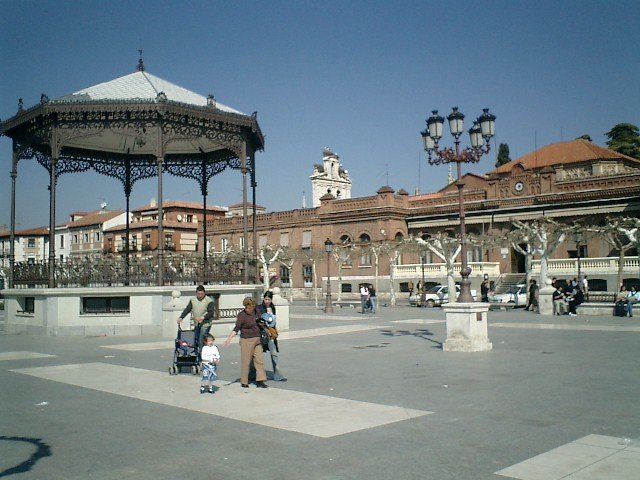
(359, 77)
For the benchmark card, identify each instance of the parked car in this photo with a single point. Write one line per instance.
(516, 294)
(436, 296)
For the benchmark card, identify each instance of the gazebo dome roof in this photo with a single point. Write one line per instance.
(139, 86)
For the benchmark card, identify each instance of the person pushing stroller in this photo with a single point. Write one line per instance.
(202, 311)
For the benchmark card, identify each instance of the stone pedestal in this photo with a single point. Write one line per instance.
(466, 327)
(282, 310)
(545, 299)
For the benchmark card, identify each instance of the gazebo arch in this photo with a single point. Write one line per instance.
(130, 128)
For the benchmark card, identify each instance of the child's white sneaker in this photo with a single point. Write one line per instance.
(202, 389)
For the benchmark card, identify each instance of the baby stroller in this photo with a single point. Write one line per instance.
(185, 354)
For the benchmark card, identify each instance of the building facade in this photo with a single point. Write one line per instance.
(569, 182)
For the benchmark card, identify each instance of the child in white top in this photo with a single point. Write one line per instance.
(210, 356)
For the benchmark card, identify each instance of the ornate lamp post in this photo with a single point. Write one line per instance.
(578, 239)
(423, 292)
(480, 135)
(328, 306)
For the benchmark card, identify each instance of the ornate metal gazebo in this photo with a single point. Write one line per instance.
(134, 127)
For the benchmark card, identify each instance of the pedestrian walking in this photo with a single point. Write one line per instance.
(267, 312)
(210, 360)
(250, 347)
(202, 310)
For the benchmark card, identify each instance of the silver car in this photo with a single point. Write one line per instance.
(516, 294)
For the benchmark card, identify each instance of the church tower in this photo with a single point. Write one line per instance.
(329, 177)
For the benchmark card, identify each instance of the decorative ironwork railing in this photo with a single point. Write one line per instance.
(112, 270)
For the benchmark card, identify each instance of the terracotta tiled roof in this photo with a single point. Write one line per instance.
(180, 204)
(153, 224)
(575, 151)
(27, 232)
(95, 218)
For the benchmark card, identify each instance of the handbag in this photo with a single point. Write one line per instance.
(273, 332)
(264, 339)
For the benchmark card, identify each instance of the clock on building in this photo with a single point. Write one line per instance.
(518, 187)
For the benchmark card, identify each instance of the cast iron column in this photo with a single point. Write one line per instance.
(160, 275)
(12, 235)
(465, 284)
(245, 227)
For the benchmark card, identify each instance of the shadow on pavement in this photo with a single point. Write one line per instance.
(42, 450)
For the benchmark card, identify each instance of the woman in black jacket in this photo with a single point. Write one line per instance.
(267, 312)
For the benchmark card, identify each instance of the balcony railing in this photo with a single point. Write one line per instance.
(588, 266)
(433, 270)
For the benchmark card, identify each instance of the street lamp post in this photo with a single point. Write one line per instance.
(578, 239)
(328, 306)
(480, 135)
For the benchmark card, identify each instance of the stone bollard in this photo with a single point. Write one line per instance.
(282, 309)
(545, 298)
(170, 312)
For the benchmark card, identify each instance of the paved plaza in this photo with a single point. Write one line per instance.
(367, 397)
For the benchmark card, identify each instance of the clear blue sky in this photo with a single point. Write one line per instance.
(357, 76)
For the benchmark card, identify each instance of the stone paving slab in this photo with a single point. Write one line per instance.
(318, 415)
(593, 457)
(22, 355)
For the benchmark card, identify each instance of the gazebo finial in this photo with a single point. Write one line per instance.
(140, 62)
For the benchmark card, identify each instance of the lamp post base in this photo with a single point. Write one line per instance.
(466, 327)
(328, 305)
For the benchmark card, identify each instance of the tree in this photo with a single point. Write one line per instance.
(586, 137)
(503, 155)
(266, 256)
(544, 236)
(447, 249)
(288, 258)
(622, 233)
(624, 138)
(342, 254)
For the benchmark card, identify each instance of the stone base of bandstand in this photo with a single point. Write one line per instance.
(466, 327)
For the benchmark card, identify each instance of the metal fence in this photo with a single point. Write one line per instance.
(113, 270)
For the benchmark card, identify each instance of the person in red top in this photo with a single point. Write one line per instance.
(250, 348)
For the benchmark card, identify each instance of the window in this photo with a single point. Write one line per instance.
(94, 305)
(365, 256)
(242, 243)
(285, 276)
(134, 242)
(61, 241)
(168, 240)
(97, 236)
(346, 287)
(262, 241)
(31, 261)
(75, 238)
(26, 305)
(62, 258)
(85, 238)
(224, 244)
(189, 218)
(31, 243)
(306, 239)
(147, 239)
(307, 275)
(284, 239)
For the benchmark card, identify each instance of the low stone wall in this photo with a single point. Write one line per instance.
(596, 308)
(59, 311)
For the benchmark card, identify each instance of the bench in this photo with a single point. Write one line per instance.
(501, 306)
(596, 308)
(347, 303)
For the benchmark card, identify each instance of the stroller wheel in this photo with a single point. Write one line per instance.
(173, 370)
(194, 370)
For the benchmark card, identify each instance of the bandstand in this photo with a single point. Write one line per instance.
(133, 127)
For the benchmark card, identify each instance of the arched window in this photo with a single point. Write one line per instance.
(398, 239)
(365, 241)
(345, 240)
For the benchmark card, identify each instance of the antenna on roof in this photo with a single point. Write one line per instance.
(140, 62)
